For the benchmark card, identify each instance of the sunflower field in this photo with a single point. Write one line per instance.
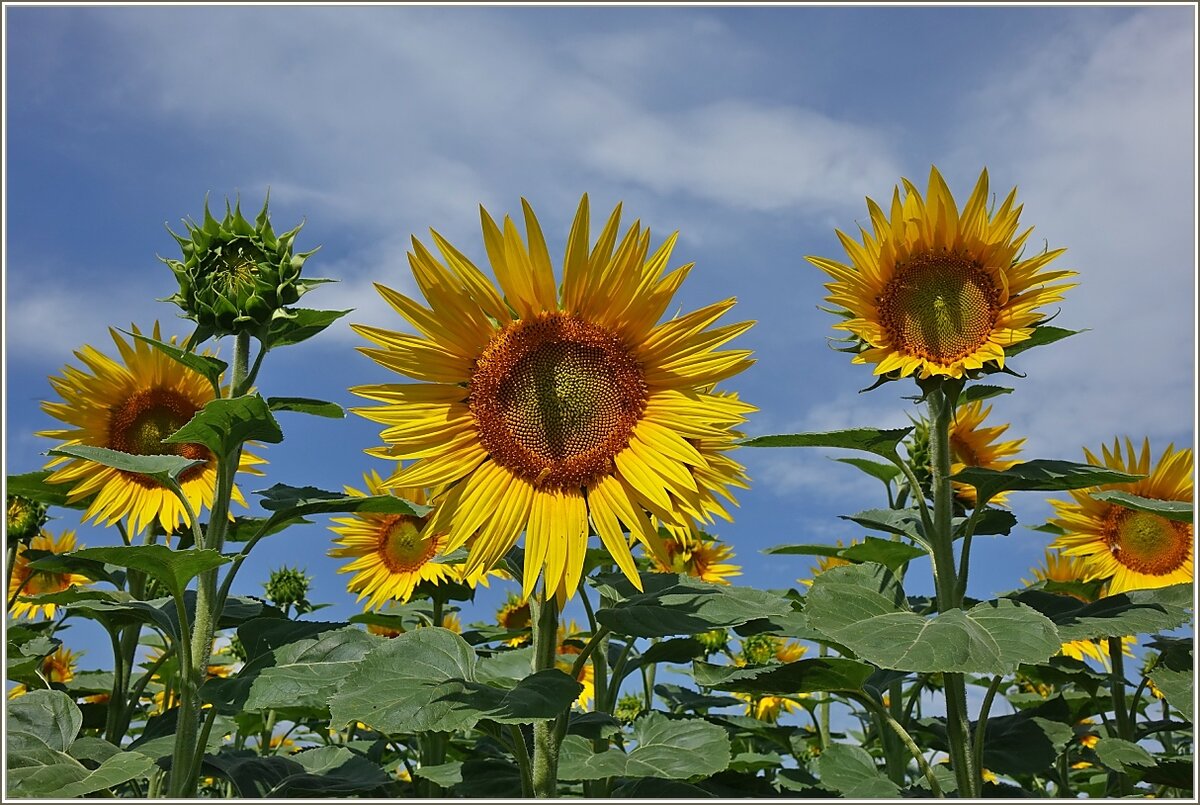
(563, 431)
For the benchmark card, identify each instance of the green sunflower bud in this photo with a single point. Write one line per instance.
(237, 648)
(629, 707)
(287, 587)
(919, 456)
(759, 649)
(713, 641)
(25, 518)
(236, 277)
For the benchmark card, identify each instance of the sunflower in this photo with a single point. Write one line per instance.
(768, 708)
(514, 616)
(1061, 568)
(972, 445)
(392, 553)
(693, 553)
(936, 292)
(825, 563)
(1137, 550)
(546, 408)
(131, 406)
(56, 667)
(568, 637)
(25, 581)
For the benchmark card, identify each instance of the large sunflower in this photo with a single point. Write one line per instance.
(972, 445)
(26, 581)
(131, 405)
(932, 291)
(547, 408)
(392, 553)
(1137, 550)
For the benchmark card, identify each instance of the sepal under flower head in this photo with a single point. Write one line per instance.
(237, 276)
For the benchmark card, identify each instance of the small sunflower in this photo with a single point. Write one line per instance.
(935, 292)
(972, 445)
(27, 581)
(1137, 550)
(693, 553)
(1058, 567)
(825, 563)
(515, 616)
(58, 667)
(131, 405)
(545, 408)
(768, 708)
(568, 636)
(392, 553)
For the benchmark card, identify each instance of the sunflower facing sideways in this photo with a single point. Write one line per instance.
(130, 406)
(26, 581)
(973, 445)
(932, 291)
(1138, 550)
(544, 408)
(392, 553)
(693, 553)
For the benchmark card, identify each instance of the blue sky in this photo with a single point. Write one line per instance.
(752, 131)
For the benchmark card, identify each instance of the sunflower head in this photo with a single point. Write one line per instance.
(236, 276)
(935, 292)
(554, 409)
(24, 518)
(629, 707)
(974, 445)
(27, 581)
(515, 617)
(57, 668)
(713, 641)
(694, 553)
(391, 553)
(759, 649)
(1133, 549)
(131, 405)
(768, 708)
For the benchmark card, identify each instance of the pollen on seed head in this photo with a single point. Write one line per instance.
(556, 399)
(939, 306)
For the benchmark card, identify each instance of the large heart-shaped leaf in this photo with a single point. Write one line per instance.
(1181, 511)
(667, 748)
(165, 469)
(863, 607)
(174, 568)
(49, 715)
(1131, 613)
(223, 425)
(802, 676)
(682, 605)
(326, 771)
(851, 771)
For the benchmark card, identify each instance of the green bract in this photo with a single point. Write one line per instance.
(25, 518)
(237, 277)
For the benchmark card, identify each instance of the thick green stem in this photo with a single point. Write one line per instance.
(958, 728)
(544, 614)
(189, 701)
(1125, 725)
(521, 753)
(116, 697)
(823, 710)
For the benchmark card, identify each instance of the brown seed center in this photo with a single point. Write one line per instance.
(939, 306)
(556, 399)
(402, 547)
(140, 423)
(1145, 542)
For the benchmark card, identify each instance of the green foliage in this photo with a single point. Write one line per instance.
(851, 771)
(870, 440)
(165, 469)
(1039, 475)
(801, 676)
(666, 748)
(681, 605)
(174, 568)
(224, 425)
(325, 771)
(1181, 511)
(209, 367)
(305, 405)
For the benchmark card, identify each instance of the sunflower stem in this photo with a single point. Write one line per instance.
(117, 695)
(544, 614)
(1125, 729)
(958, 727)
(185, 735)
(915, 750)
(823, 709)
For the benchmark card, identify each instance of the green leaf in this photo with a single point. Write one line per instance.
(117, 769)
(1173, 677)
(114, 608)
(66, 563)
(33, 485)
(1175, 772)
(851, 771)
(243, 529)
(1042, 335)
(36, 770)
(884, 472)
(165, 469)
(1123, 756)
(301, 326)
(1131, 613)
(224, 425)
(864, 608)
(902, 522)
(802, 676)
(1180, 511)
(666, 748)
(424, 680)
(305, 405)
(326, 771)
(676, 650)
(889, 553)
(446, 775)
(682, 605)
(1024, 743)
(645, 788)
(990, 523)
(1039, 475)
(289, 503)
(49, 715)
(174, 568)
(870, 440)
(209, 367)
(981, 392)
(809, 549)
